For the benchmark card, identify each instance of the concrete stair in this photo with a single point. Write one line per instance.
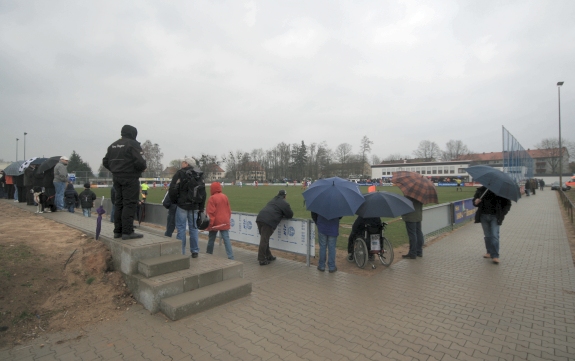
(162, 279)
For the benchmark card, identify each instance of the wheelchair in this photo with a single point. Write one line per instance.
(372, 243)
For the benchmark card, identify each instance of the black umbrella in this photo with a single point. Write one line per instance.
(14, 168)
(384, 204)
(496, 181)
(49, 163)
(38, 161)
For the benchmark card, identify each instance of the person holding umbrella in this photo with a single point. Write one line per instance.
(267, 220)
(491, 210)
(413, 226)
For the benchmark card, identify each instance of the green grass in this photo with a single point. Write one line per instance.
(249, 199)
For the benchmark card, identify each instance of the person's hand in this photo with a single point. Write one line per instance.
(477, 201)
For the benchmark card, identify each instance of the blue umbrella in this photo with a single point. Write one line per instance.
(496, 181)
(333, 197)
(384, 204)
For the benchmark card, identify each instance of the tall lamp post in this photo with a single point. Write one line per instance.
(25, 145)
(17, 149)
(559, 84)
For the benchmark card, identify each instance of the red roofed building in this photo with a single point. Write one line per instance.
(213, 172)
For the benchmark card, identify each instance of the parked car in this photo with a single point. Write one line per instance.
(555, 186)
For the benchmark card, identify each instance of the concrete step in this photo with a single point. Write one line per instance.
(189, 303)
(158, 266)
(203, 271)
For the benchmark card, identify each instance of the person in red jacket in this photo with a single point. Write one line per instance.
(220, 213)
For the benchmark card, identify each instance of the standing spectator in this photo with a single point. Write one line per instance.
(29, 184)
(9, 180)
(171, 221)
(124, 159)
(20, 193)
(267, 220)
(534, 185)
(541, 184)
(87, 198)
(60, 179)
(186, 211)
(328, 230)
(491, 210)
(71, 199)
(145, 188)
(413, 226)
(527, 187)
(220, 213)
(2, 184)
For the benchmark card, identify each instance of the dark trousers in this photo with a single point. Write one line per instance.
(416, 238)
(127, 194)
(50, 191)
(21, 194)
(171, 223)
(10, 191)
(265, 233)
(29, 196)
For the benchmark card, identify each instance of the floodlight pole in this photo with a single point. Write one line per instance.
(559, 84)
(16, 149)
(25, 145)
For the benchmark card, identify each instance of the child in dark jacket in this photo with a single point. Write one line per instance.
(87, 198)
(71, 199)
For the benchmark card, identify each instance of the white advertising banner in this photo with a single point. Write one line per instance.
(291, 235)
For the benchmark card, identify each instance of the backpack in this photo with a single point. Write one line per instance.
(193, 184)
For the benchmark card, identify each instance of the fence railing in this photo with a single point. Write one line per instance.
(567, 204)
(298, 235)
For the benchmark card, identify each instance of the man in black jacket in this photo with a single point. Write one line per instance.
(491, 211)
(186, 211)
(268, 219)
(126, 162)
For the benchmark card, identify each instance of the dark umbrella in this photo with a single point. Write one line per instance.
(13, 168)
(496, 181)
(141, 209)
(333, 197)
(416, 186)
(384, 204)
(100, 210)
(38, 161)
(49, 163)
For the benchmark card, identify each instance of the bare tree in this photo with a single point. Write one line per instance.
(153, 156)
(550, 149)
(364, 148)
(428, 151)
(453, 150)
(375, 159)
(343, 154)
(394, 157)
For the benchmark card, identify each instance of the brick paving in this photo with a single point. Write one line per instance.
(449, 305)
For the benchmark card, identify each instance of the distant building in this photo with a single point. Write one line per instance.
(251, 171)
(213, 172)
(436, 170)
(545, 161)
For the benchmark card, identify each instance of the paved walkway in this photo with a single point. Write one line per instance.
(450, 305)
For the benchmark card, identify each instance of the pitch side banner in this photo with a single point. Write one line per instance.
(463, 210)
(291, 235)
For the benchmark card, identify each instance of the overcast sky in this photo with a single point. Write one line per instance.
(220, 76)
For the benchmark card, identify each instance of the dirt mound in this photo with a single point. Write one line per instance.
(52, 278)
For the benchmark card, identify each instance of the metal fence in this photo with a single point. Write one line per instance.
(567, 204)
(516, 161)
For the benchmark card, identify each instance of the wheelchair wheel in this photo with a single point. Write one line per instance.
(386, 254)
(360, 252)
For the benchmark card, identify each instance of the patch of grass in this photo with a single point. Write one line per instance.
(27, 284)
(5, 273)
(22, 317)
(15, 253)
(90, 280)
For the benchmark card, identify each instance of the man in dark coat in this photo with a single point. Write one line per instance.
(268, 219)
(491, 211)
(126, 162)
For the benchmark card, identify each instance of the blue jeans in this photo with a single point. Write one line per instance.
(188, 218)
(212, 239)
(16, 193)
(491, 234)
(59, 197)
(71, 208)
(329, 243)
(416, 238)
(87, 212)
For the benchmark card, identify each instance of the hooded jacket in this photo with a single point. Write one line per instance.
(71, 196)
(276, 209)
(178, 195)
(125, 157)
(218, 209)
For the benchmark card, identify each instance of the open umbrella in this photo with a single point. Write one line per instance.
(496, 181)
(100, 210)
(333, 197)
(416, 186)
(49, 163)
(14, 168)
(384, 204)
(38, 161)
(26, 164)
